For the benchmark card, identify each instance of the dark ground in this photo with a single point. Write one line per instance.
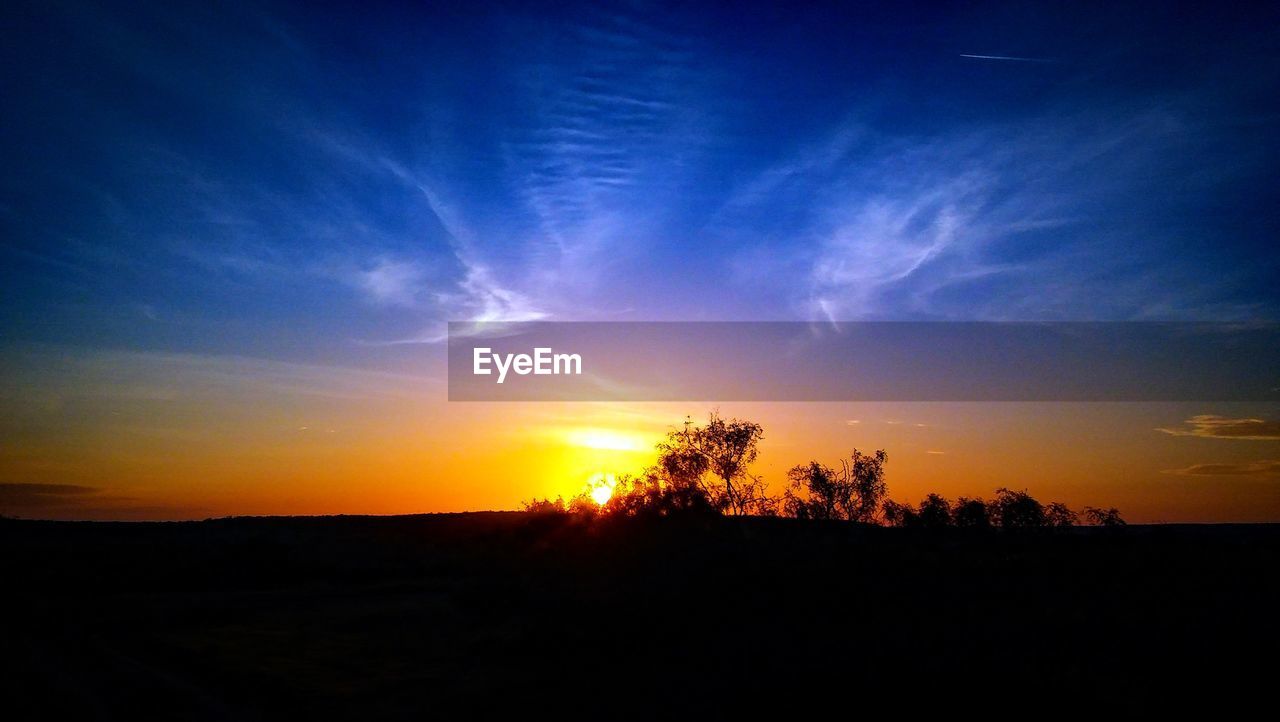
(478, 614)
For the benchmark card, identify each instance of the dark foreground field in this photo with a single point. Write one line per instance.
(479, 614)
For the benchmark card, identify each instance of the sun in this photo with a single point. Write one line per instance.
(601, 487)
(601, 494)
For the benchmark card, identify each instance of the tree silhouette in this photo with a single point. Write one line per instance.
(935, 512)
(903, 515)
(545, 506)
(815, 492)
(1057, 514)
(653, 493)
(853, 493)
(971, 514)
(582, 504)
(866, 473)
(1017, 510)
(722, 449)
(704, 470)
(1103, 517)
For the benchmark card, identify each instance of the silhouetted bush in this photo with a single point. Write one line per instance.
(653, 493)
(903, 515)
(853, 493)
(583, 505)
(1016, 510)
(703, 470)
(1009, 510)
(815, 493)
(545, 506)
(1103, 517)
(971, 514)
(935, 512)
(1057, 514)
(715, 458)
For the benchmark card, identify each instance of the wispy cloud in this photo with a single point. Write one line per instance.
(49, 380)
(38, 495)
(610, 124)
(1012, 58)
(622, 161)
(392, 282)
(78, 501)
(1208, 426)
(615, 123)
(489, 302)
(476, 294)
(1008, 222)
(1264, 469)
(883, 241)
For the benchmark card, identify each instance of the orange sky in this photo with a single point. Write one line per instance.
(170, 436)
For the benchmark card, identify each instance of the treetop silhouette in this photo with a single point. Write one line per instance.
(704, 470)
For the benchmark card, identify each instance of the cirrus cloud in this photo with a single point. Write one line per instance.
(1209, 426)
(1265, 468)
(16, 494)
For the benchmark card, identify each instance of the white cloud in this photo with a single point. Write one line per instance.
(392, 282)
(999, 223)
(492, 303)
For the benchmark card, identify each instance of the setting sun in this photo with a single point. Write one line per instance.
(601, 487)
(601, 494)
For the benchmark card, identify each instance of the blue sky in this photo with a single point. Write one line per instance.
(333, 185)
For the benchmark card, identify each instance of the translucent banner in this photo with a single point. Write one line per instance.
(863, 361)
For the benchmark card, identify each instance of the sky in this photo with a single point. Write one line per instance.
(231, 235)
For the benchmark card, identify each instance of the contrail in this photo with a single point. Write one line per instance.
(1007, 57)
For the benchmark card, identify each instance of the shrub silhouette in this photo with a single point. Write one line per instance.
(1057, 514)
(935, 512)
(545, 506)
(815, 492)
(715, 457)
(1016, 510)
(903, 515)
(704, 471)
(971, 514)
(581, 504)
(1009, 510)
(866, 473)
(655, 494)
(854, 492)
(1103, 517)
(700, 470)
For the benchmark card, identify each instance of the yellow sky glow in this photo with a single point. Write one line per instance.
(162, 436)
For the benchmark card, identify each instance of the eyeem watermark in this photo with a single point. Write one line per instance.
(542, 363)
(864, 361)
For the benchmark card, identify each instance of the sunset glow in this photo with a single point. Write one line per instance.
(608, 439)
(636, 360)
(217, 305)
